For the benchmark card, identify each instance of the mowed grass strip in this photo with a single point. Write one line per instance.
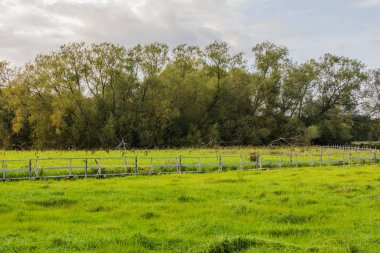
(328, 209)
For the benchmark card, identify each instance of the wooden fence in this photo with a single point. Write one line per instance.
(44, 168)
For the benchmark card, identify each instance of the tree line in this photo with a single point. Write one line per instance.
(94, 96)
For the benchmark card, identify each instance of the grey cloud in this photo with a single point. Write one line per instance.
(35, 26)
(29, 27)
(376, 42)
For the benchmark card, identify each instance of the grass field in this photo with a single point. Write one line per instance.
(245, 151)
(329, 209)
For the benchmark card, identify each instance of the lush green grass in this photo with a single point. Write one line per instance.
(293, 210)
(235, 151)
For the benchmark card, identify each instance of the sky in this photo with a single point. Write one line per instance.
(308, 28)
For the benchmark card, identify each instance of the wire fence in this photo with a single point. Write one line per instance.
(44, 168)
(358, 147)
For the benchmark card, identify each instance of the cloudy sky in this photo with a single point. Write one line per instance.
(309, 28)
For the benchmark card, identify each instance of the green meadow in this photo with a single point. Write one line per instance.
(327, 209)
(233, 151)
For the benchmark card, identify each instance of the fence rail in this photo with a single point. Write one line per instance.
(356, 147)
(44, 168)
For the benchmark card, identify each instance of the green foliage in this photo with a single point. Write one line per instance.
(311, 133)
(94, 96)
(108, 132)
(194, 137)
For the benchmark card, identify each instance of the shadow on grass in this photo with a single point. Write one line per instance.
(53, 202)
(240, 244)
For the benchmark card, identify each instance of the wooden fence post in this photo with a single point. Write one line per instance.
(241, 162)
(362, 160)
(257, 161)
(151, 165)
(180, 164)
(343, 159)
(100, 166)
(85, 167)
(260, 164)
(291, 160)
(125, 165)
(71, 166)
(349, 158)
(30, 169)
(36, 167)
(3, 167)
(320, 159)
(329, 159)
(375, 156)
(297, 160)
(312, 160)
(220, 163)
(136, 165)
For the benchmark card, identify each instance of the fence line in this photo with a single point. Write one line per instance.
(349, 147)
(43, 168)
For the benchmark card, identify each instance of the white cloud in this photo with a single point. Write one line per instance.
(369, 3)
(29, 27)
